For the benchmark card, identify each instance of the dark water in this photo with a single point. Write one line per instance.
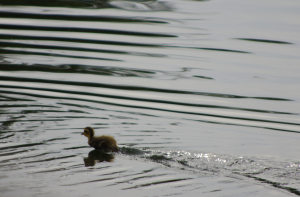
(201, 96)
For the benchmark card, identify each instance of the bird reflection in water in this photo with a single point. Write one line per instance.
(98, 156)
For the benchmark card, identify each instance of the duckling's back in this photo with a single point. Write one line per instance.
(105, 143)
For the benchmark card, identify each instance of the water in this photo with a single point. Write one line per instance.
(201, 96)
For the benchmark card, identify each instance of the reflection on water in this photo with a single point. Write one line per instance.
(96, 156)
(201, 96)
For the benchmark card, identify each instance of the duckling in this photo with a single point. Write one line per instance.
(103, 142)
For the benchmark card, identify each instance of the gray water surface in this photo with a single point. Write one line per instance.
(201, 96)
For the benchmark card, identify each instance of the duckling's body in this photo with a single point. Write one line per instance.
(104, 142)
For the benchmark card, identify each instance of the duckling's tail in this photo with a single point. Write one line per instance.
(115, 150)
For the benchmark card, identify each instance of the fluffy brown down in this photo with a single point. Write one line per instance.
(104, 142)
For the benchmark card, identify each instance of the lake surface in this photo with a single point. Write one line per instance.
(202, 97)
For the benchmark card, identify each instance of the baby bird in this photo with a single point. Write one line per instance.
(103, 142)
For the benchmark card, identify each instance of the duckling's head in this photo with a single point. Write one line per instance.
(88, 132)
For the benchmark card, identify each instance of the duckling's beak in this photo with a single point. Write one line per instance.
(82, 133)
